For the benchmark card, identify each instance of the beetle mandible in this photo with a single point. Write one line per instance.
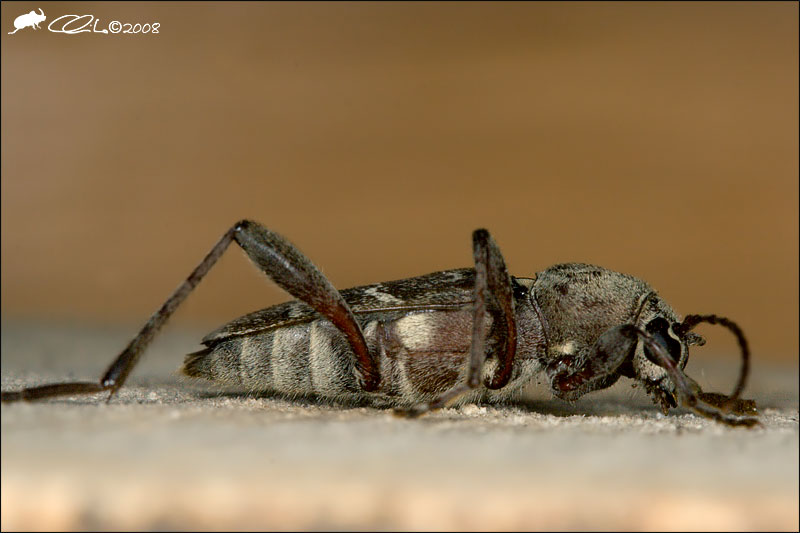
(442, 339)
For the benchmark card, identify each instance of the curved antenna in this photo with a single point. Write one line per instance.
(693, 320)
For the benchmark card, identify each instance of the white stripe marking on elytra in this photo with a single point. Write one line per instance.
(382, 297)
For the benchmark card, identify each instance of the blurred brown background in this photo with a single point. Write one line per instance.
(655, 139)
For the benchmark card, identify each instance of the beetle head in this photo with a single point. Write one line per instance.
(661, 354)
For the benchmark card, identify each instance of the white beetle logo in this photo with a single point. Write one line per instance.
(31, 19)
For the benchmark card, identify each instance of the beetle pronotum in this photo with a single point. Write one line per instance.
(441, 339)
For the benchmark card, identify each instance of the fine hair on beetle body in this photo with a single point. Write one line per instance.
(442, 339)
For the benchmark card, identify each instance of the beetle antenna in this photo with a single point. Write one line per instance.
(693, 320)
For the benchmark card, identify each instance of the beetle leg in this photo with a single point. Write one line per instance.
(573, 376)
(501, 295)
(290, 269)
(492, 286)
(689, 394)
(281, 261)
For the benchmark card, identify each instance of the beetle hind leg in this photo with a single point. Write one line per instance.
(277, 258)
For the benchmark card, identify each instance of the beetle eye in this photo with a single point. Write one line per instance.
(659, 329)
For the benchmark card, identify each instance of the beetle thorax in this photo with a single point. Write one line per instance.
(579, 302)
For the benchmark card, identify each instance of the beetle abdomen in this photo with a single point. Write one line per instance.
(420, 356)
(301, 359)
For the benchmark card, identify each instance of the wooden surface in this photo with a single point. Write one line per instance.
(166, 454)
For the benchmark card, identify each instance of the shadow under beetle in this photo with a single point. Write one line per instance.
(441, 339)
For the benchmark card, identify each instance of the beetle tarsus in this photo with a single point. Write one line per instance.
(722, 417)
(415, 411)
(43, 392)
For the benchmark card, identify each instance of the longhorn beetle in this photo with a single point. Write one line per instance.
(441, 339)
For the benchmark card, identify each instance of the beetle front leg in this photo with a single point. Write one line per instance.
(281, 261)
(732, 411)
(572, 376)
(493, 297)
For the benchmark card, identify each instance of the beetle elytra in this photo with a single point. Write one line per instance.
(441, 339)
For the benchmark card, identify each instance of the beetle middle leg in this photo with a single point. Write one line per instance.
(493, 297)
(282, 262)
